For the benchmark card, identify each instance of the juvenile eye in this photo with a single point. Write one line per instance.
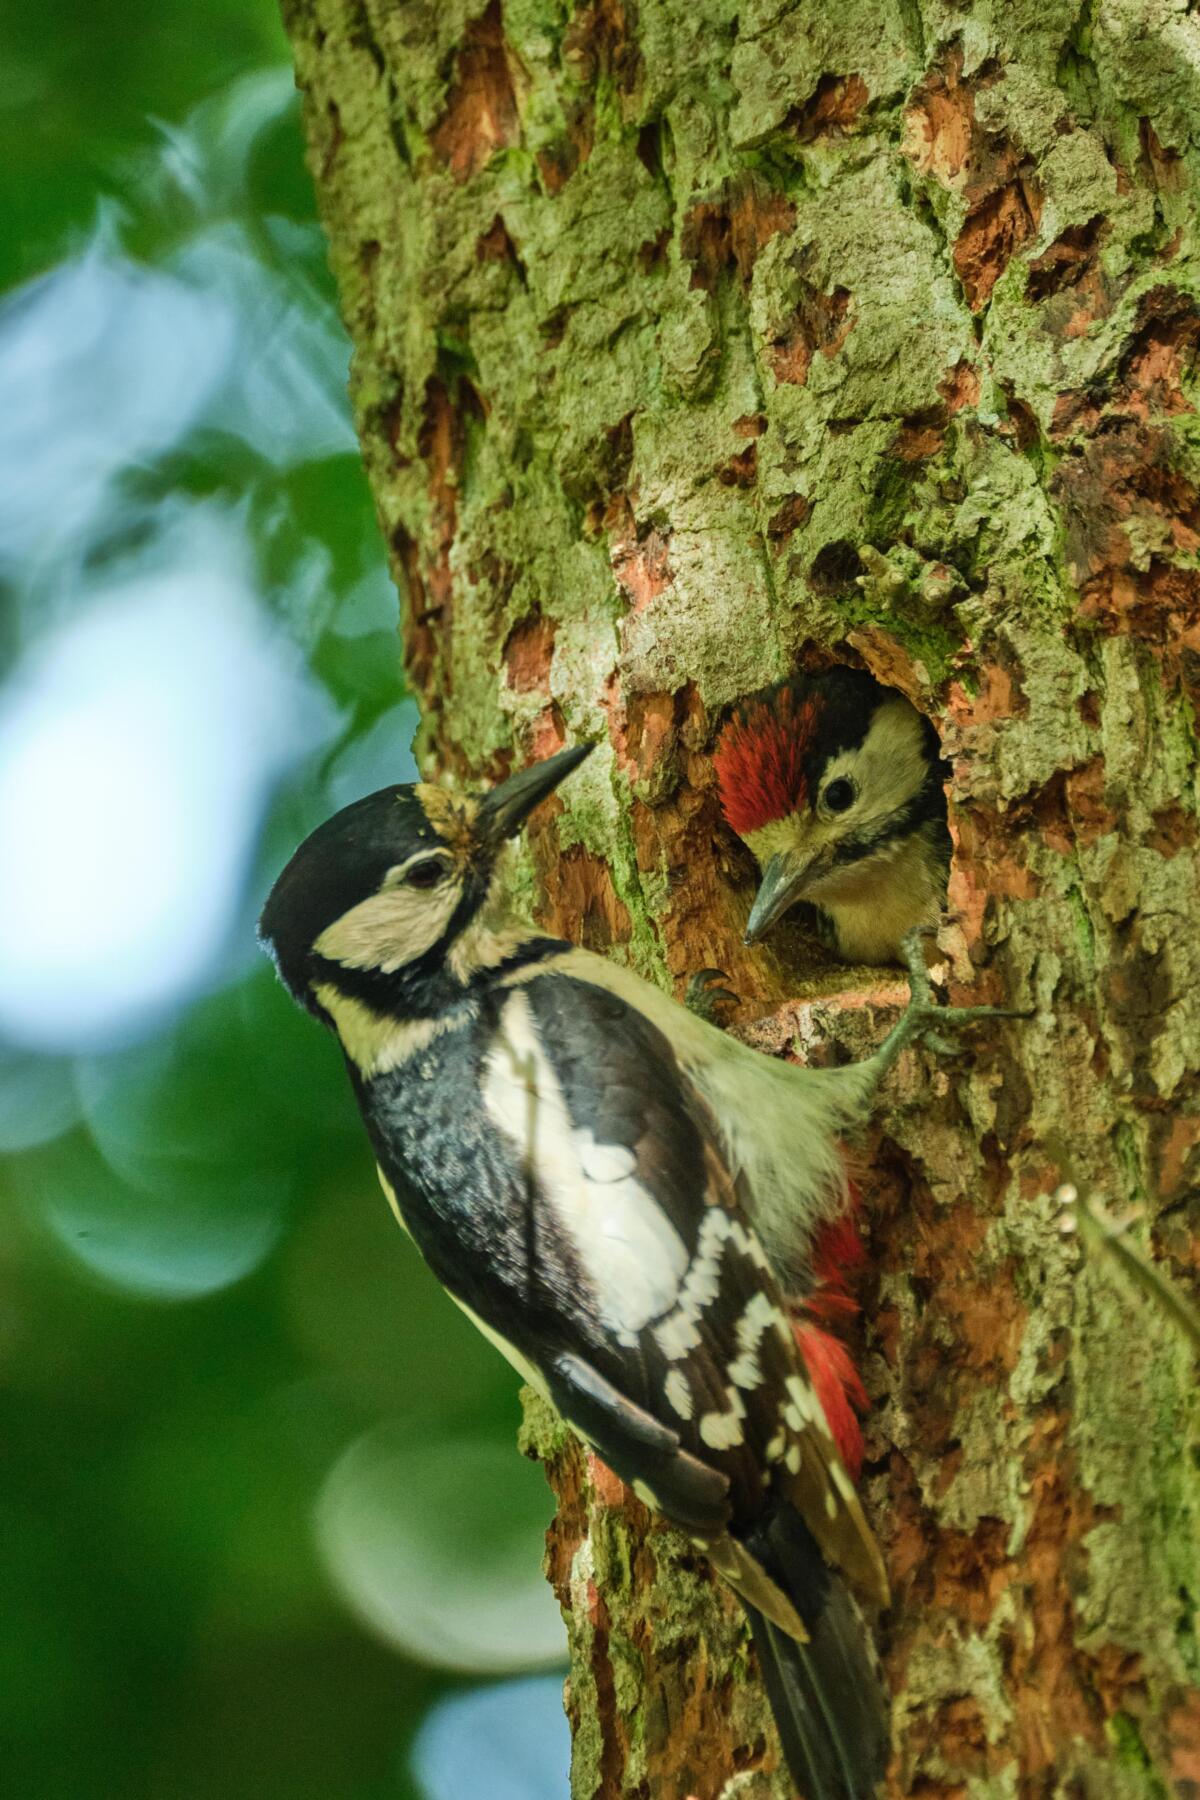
(840, 794)
(426, 873)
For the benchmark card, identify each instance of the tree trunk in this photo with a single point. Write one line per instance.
(695, 340)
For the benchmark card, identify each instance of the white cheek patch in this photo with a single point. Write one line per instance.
(390, 929)
(631, 1254)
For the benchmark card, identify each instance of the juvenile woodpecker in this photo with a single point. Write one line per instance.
(607, 1185)
(837, 786)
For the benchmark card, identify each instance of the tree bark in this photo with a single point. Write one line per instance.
(694, 340)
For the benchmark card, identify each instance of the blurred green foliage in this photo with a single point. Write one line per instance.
(234, 1557)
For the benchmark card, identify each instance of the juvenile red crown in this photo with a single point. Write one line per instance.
(759, 761)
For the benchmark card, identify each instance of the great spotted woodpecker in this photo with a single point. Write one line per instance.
(614, 1191)
(837, 786)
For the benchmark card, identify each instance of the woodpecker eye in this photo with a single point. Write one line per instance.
(840, 794)
(426, 873)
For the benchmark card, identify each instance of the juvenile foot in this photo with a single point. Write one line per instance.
(707, 997)
(923, 1020)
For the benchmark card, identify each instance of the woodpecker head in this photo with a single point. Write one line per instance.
(382, 893)
(828, 779)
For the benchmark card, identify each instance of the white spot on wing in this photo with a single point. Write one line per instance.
(679, 1393)
(760, 1311)
(723, 1430)
(802, 1409)
(680, 1332)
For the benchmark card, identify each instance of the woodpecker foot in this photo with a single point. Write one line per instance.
(923, 1020)
(707, 997)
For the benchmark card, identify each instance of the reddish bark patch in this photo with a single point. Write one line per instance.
(789, 517)
(1171, 830)
(821, 322)
(1070, 260)
(640, 564)
(650, 732)
(528, 651)
(994, 228)
(662, 738)
(750, 425)
(1175, 1157)
(495, 245)
(420, 619)
(425, 568)
(944, 140)
(939, 124)
(919, 437)
(730, 229)
(1129, 511)
(1183, 1738)
(558, 161)
(990, 862)
(701, 923)
(1163, 165)
(922, 434)
(1091, 815)
(599, 41)
(1158, 354)
(890, 663)
(652, 252)
(741, 471)
(481, 109)
(832, 110)
(960, 387)
(547, 735)
(1020, 424)
(1161, 351)
(1046, 1680)
(579, 900)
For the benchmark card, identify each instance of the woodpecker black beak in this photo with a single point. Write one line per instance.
(784, 880)
(503, 812)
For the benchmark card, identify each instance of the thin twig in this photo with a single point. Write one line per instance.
(1102, 1232)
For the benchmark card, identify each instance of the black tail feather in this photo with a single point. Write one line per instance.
(826, 1695)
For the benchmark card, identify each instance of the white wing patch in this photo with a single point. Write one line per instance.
(678, 1390)
(632, 1256)
(760, 1315)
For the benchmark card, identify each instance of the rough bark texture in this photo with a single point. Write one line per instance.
(695, 338)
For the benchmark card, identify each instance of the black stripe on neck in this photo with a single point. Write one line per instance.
(428, 988)
(926, 806)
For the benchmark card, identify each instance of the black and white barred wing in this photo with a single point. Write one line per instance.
(681, 1367)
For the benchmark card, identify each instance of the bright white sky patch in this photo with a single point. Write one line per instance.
(137, 750)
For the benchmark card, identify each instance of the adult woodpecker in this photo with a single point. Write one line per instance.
(837, 786)
(608, 1185)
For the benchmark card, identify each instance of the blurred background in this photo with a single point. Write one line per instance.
(263, 1528)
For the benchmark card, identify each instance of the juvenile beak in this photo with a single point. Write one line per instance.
(783, 882)
(503, 812)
